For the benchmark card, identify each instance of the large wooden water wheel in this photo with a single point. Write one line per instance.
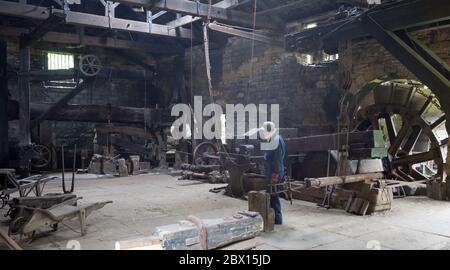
(413, 124)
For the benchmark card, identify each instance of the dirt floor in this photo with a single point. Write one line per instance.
(141, 203)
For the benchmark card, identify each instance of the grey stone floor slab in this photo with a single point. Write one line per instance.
(144, 202)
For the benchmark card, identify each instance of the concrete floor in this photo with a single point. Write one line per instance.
(143, 202)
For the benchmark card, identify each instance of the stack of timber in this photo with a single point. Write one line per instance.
(196, 234)
(358, 194)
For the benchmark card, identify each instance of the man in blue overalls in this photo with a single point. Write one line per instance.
(274, 167)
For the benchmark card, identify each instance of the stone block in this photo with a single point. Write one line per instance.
(135, 165)
(380, 199)
(123, 168)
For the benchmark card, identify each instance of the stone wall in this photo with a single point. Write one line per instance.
(105, 90)
(308, 95)
(369, 60)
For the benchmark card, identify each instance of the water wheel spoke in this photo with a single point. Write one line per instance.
(438, 122)
(417, 158)
(403, 176)
(409, 98)
(399, 139)
(390, 127)
(425, 105)
(417, 175)
(412, 140)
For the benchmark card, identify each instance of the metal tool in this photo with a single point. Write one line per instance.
(72, 186)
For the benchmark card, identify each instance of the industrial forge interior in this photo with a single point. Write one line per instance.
(224, 124)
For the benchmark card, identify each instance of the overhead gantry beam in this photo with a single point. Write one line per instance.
(408, 14)
(198, 9)
(276, 41)
(79, 18)
(95, 41)
(190, 19)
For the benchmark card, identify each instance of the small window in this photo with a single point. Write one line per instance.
(330, 57)
(310, 25)
(56, 61)
(60, 61)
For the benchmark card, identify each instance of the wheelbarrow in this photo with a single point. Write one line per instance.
(32, 219)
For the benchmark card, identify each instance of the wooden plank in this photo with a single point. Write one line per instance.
(102, 42)
(147, 243)
(9, 241)
(245, 245)
(100, 114)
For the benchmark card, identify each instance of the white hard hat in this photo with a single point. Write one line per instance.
(268, 129)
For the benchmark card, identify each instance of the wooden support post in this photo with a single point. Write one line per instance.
(4, 150)
(24, 93)
(447, 162)
(259, 201)
(179, 90)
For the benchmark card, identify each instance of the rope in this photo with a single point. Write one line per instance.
(145, 101)
(250, 78)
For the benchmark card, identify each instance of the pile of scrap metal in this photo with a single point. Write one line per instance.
(211, 173)
(127, 141)
(117, 166)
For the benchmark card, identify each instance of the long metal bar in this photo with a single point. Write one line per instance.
(408, 14)
(245, 34)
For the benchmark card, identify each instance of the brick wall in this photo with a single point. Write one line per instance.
(370, 60)
(308, 95)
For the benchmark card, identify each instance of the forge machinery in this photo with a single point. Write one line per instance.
(396, 136)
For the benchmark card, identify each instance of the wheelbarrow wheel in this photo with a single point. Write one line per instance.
(16, 225)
